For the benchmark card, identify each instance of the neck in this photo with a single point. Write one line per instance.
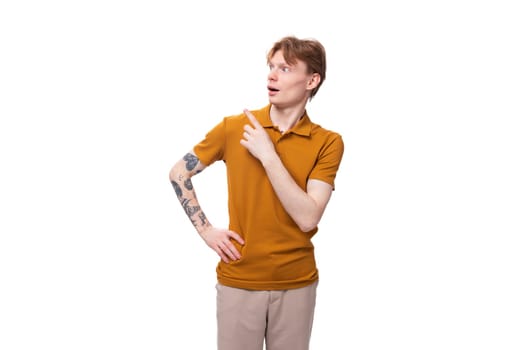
(286, 118)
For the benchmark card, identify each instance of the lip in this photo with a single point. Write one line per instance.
(272, 91)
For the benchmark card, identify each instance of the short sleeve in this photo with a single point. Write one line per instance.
(329, 160)
(211, 148)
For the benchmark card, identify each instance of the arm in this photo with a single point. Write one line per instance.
(305, 208)
(218, 239)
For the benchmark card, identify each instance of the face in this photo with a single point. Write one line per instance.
(289, 85)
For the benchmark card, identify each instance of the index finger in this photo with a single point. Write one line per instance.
(252, 119)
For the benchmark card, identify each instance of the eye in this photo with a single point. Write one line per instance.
(285, 69)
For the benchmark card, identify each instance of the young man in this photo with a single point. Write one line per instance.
(281, 169)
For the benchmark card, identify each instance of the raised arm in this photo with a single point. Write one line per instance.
(218, 239)
(305, 207)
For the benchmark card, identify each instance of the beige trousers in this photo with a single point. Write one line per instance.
(282, 319)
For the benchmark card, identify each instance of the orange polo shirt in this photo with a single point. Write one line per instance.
(276, 254)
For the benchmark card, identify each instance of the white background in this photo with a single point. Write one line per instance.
(421, 246)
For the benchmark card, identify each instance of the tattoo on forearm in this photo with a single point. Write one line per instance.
(178, 190)
(191, 161)
(203, 218)
(190, 210)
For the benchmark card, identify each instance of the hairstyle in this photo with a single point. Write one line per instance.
(310, 51)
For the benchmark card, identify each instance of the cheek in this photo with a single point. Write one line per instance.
(293, 81)
(299, 84)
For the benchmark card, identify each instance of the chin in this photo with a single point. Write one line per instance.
(273, 100)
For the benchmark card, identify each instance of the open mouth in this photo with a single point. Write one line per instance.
(272, 89)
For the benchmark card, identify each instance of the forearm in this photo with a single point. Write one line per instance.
(180, 177)
(301, 207)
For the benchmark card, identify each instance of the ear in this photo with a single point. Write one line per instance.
(313, 82)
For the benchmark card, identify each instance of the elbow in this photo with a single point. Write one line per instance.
(174, 174)
(309, 219)
(308, 224)
(307, 229)
(171, 174)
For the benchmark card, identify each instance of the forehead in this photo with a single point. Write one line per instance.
(278, 59)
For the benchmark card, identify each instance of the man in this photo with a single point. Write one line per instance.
(281, 169)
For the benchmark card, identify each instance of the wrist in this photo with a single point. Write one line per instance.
(203, 229)
(270, 160)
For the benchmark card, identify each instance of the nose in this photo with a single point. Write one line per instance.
(272, 76)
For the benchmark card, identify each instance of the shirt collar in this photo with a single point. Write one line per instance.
(303, 126)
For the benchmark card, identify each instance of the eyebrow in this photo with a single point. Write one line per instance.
(280, 63)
